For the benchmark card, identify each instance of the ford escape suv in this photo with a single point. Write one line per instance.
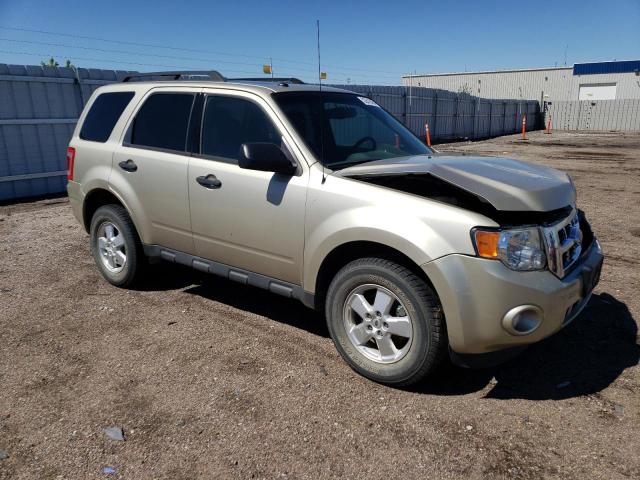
(323, 196)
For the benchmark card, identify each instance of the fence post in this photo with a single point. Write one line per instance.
(435, 114)
(490, 118)
(77, 75)
(405, 108)
(504, 118)
(475, 119)
(455, 117)
(579, 111)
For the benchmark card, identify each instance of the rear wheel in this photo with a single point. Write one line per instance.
(385, 321)
(115, 245)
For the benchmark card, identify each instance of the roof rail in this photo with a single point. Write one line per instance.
(269, 80)
(177, 75)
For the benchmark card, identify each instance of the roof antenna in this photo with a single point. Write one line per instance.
(324, 176)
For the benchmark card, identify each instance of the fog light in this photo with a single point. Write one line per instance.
(522, 320)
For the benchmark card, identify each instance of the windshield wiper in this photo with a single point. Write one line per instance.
(346, 163)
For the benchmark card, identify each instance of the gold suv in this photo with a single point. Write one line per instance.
(321, 195)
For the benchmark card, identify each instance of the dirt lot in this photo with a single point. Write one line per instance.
(210, 379)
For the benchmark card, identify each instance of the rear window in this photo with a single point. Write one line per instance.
(104, 114)
(162, 121)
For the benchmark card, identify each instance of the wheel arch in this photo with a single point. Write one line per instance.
(98, 197)
(95, 199)
(342, 254)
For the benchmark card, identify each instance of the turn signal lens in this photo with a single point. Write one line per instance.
(487, 243)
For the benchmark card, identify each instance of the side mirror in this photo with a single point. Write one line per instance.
(266, 157)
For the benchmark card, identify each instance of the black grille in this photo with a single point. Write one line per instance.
(587, 233)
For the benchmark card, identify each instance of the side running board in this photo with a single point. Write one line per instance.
(239, 275)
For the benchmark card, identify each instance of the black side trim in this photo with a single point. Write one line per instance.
(485, 360)
(195, 123)
(239, 275)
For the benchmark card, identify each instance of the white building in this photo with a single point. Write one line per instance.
(583, 81)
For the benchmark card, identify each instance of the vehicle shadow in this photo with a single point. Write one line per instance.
(166, 276)
(261, 302)
(584, 358)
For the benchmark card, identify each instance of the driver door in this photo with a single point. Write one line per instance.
(249, 219)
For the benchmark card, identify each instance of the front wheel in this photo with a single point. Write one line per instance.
(385, 321)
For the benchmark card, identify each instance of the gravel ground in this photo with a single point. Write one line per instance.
(209, 379)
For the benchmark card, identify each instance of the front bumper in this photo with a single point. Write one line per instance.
(477, 293)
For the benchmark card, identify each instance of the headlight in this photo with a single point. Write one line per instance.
(517, 248)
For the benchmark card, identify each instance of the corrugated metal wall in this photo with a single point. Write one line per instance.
(619, 115)
(554, 84)
(451, 115)
(39, 107)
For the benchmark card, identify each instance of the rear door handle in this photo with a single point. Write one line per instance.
(210, 181)
(128, 165)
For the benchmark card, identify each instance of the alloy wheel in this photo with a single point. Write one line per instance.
(377, 323)
(111, 246)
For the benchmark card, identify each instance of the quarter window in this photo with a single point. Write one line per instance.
(162, 122)
(103, 115)
(229, 122)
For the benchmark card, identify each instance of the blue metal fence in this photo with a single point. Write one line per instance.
(39, 107)
(451, 115)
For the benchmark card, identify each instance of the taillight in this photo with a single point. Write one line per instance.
(71, 157)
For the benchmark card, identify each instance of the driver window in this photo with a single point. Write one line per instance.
(229, 122)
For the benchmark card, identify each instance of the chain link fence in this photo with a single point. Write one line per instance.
(598, 115)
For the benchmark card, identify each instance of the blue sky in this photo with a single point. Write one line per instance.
(365, 42)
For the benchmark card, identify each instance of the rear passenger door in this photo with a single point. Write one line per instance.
(150, 168)
(252, 220)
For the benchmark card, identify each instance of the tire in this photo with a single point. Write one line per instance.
(417, 349)
(114, 220)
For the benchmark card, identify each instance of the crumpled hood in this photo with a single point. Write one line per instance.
(508, 185)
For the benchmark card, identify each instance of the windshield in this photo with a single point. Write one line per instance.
(355, 129)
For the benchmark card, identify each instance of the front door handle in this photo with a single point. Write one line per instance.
(128, 165)
(210, 181)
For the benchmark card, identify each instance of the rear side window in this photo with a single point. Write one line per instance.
(162, 121)
(229, 122)
(104, 113)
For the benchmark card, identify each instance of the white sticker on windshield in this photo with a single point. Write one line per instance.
(368, 101)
